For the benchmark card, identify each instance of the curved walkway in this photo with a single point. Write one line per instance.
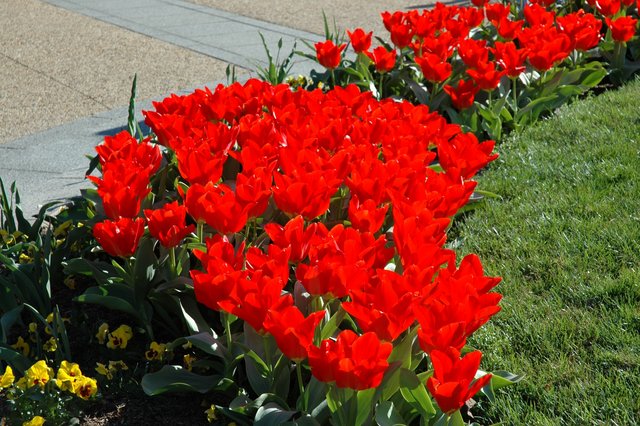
(67, 67)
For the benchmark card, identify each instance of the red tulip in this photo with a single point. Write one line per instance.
(486, 76)
(510, 59)
(367, 216)
(383, 306)
(120, 237)
(473, 52)
(293, 332)
(360, 40)
(509, 30)
(328, 54)
(294, 236)
(547, 49)
(217, 206)
(583, 29)
(466, 154)
(452, 383)
(607, 8)
(168, 225)
(123, 146)
(623, 28)
(383, 59)
(538, 17)
(122, 188)
(463, 95)
(351, 361)
(433, 68)
(496, 12)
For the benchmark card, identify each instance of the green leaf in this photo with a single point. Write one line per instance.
(415, 393)
(365, 403)
(100, 271)
(499, 379)
(174, 378)
(15, 358)
(271, 414)
(118, 297)
(131, 119)
(306, 420)
(456, 419)
(315, 394)
(192, 316)
(332, 325)
(145, 268)
(7, 320)
(387, 415)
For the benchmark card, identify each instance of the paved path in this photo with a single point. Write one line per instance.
(223, 35)
(51, 164)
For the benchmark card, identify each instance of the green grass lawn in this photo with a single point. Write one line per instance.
(565, 236)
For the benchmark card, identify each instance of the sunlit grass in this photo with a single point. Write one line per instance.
(565, 236)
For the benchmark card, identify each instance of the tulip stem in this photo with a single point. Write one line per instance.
(515, 95)
(380, 89)
(172, 260)
(227, 330)
(619, 52)
(267, 355)
(200, 231)
(301, 386)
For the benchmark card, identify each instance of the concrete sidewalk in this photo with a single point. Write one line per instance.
(67, 69)
(68, 65)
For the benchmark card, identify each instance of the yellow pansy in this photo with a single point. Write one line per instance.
(70, 282)
(6, 380)
(188, 361)
(38, 374)
(85, 387)
(36, 421)
(22, 346)
(118, 365)
(103, 331)
(155, 352)
(103, 370)
(49, 320)
(120, 337)
(211, 414)
(50, 345)
(68, 373)
(33, 327)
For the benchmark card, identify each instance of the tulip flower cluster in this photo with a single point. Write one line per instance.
(465, 53)
(333, 207)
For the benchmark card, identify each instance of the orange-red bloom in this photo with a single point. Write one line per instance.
(360, 41)
(351, 361)
(623, 28)
(510, 58)
(383, 59)
(217, 206)
(452, 383)
(120, 237)
(328, 54)
(292, 331)
(122, 188)
(433, 68)
(463, 95)
(167, 224)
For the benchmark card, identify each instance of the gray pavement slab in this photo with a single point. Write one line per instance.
(220, 34)
(50, 165)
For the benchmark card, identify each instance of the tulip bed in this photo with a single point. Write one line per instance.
(491, 67)
(283, 251)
